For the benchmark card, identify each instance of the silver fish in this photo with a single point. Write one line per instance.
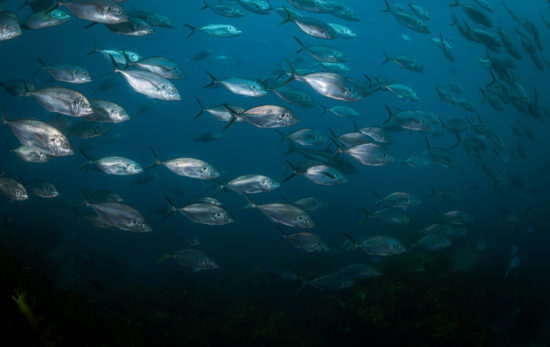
(65, 72)
(41, 188)
(30, 154)
(251, 184)
(224, 10)
(319, 174)
(12, 189)
(203, 213)
(311, 26)
(308, 242)
(285, 214)
(192, 258)
(9, 26)
(114, 165)
(62, 100)
(188, 167)
(99, 11)
(265, 116)
(107, 112)
(161, 66)
(45, 19)
(216, 30)
(239, 86)
(40, 135)
(380, 245)
(322, 53)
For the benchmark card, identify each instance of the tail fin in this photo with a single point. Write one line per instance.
(193, 29)
(95, 47)
(386, 57)
(352, 240)
(56, 4)
(291, 148)
(42, 66)
(367, 216)
(455, 4)
(388, 7)
(427, 144)
(25, 3)
(294, 172)
(378, 199)
(283, 136)
(86, 198)
(165, 255)
(251, 204)
(88, 161)
(304, 283)
(201, 106)
(390, 114)
(458, 140)
(4, 119)
(157, 160)
(288, 18)
(205, 5)
(115, 66)
(302, 47)
(233, 116)
(286, 200)
(212, 82)
(173, 207)
(293, 73)
(325, 110)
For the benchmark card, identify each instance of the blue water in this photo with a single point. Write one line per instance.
(45, 234)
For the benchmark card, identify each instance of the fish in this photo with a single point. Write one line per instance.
(62, 100)
(65, 72)
(44, 19)
(9, 26)
(512, 265)
(161, 66)
(153, 18)
(224, 10)
(202, 213)
(264, 116)
(188, 167)
(316, 6)
(220, 112)
(29, 154)
(98, 11)
(369, 154)
(474, 13)
(456, 217)
(113, 165)
(419, 11)
(256, 6)
(311, 26)
(340, 111)
(402, 200)
(148, 83)
(442, 156)
(119, 215)
(406, 19)
(305, 137)
(105, 111)
(342, 31)
(120, 56)
(191, 258)
(319, 174)
(12, 189)
(216, 30)
(88, 130)
(41, 188)
(18, 87)
(322, 53)
(250, 184)
(294, 96)
(39, 135)
(343, 11)
(434, 242)
(386, 216)
(330, 282)
(306, 241)
(208, 137)
(285, 214)
(404, 61)
(239, 86)
(135, 26)
(308, 204)
(379, 245)
(358, 271)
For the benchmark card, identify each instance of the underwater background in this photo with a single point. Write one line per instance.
(106, 287)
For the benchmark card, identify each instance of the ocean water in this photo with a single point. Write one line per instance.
(487, 287)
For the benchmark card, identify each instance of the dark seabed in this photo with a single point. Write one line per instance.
(248, 173)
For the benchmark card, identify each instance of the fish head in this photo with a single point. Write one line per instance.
(396, 247)
(221, 217)
(139, 224)
(170, 92)
(233, 30)
(82, 76)
(304, 221)
(115, 13)
(61, 145)
(21, 194)
(133, 169)
(142, 28)
(267, 184)
(209, 172)
(208, 264)
(134, 57)
(59, 15)
(9, 31)
(81, 106)
(286, 118)
(118, 115)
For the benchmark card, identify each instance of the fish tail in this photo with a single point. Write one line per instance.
(94, 50)
(367, 216)
(42, 66)
(282, 135)
(294, 172)
(155, 156)
(4, 119)
(302, 47)
(303, 283)
(173, 207)
(355, 125)
(10, 149)
(484, 95)
(386, 57)
(213, 80)
(86, 198)
(388, 7)
(291, 148)
(90, 25)
(88, 160)
(251, 205)
(325, 110)
(286, 200)
(233, 116)
(427, 143)
(458, 140)
(293, 73)
(351, 239)
(390, 114)
(288, 18)
(455, 4)
(55, 5)
(127, 59)
(378, 198)
(193, 29)
(115, 66)
(205, 5)
(165, 255)
(201, 106)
